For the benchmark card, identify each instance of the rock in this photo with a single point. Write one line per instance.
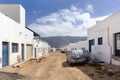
(93, 58)
(110, 70)
(104, 68)
(113, 70)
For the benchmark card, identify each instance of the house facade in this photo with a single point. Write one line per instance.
(45, 47)
(104, 39)
(40, 48)
(77, 46)
(16, 41)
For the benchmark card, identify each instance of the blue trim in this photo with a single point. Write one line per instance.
(4, 54)
(22, 51)
(35, 52)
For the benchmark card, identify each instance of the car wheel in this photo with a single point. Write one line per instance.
(67, 61)
(70, 63)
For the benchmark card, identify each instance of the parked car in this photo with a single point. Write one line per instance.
(77, 56)
(64, 50)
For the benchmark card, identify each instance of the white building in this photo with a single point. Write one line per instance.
(45, 47)
(16, 42)
(77, 46)
(52, 49)
(104, 39)
(40, 48)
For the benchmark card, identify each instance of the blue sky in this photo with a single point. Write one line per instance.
(46, 17)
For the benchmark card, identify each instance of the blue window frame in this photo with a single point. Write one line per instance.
(100, 41)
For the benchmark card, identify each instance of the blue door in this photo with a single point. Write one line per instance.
(91, 42)
(22, 51)
(35, 52)
(4, 54)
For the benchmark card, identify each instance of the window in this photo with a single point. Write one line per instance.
(118, 41)
(14, 47)
(100, 42)
(92, 42)
(117, 44)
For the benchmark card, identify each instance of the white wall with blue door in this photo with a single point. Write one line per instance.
(14, 33)
(106, 30)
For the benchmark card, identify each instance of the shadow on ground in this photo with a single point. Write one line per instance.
(10, 76)
(92, 72)
(65, 64)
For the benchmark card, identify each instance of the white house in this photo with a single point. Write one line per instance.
(52, 49)
(16, 42)
(45, 47)
(79, 45)
(40, 47)
(104, 39)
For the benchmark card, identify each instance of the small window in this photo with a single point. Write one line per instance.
(100, 42)
(14, 47)
(92, 42)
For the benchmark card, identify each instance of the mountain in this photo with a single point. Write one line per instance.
(61, 41)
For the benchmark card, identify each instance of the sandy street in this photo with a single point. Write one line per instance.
(52, 67)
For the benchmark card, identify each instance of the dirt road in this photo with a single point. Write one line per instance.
(52, 67)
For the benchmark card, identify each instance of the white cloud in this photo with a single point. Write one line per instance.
(65, 22)
(74, 8)
(35, 12)
(90, 8)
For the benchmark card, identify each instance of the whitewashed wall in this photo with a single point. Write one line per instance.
(14, 11)
(106, 29)
(78, 45)
(38, 45)
(45, 47)
(13, 32)
(42, 47)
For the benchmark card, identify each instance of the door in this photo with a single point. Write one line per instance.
(22, 51)
(35, 52)
(5, 54)
(117, 44)
(29, 53)
(91, 42)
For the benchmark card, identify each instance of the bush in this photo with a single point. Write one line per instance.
(91, 74)
(96, 65)
(110, 74)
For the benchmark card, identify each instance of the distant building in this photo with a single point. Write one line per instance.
(52, 49)
(77, 46)
(104, 39)
(45, 47)
(40, 47)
